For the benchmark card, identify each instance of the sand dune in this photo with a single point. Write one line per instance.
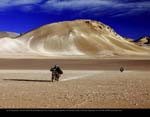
(11, 45)
(8, 34)
(72, 38)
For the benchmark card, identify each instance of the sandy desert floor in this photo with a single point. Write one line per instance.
(84, 88)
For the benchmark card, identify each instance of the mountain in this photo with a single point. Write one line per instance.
(143, 41)
(79, 37)
(72, 38)
(8, 34)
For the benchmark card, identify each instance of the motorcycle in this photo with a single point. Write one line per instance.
(55, 76)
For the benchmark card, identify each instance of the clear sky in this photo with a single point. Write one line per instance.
(129, 18)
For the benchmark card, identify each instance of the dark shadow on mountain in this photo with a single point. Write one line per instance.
(27, 80)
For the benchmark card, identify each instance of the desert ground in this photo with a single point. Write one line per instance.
(86, 83)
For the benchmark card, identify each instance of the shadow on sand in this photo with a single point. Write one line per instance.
(27, 80)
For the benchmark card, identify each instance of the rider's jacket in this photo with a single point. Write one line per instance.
(57, 69)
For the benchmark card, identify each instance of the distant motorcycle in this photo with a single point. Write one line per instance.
(121, 69)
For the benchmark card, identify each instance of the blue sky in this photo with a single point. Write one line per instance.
(129, 18)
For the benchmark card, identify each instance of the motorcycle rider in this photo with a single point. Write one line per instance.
(56, 72)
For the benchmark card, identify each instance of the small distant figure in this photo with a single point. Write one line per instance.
(56, 72)
(121, 69)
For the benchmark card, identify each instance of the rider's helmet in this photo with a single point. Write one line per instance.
(56, 66)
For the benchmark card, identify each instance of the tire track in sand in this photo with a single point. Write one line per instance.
(81, 76)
